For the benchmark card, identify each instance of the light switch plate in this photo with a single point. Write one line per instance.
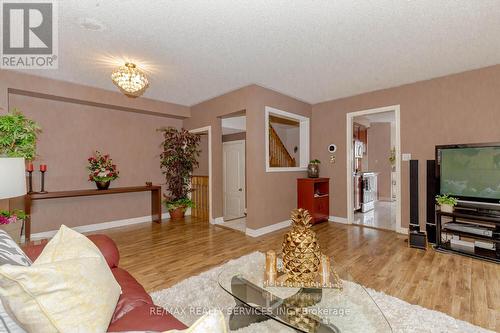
(406, 157)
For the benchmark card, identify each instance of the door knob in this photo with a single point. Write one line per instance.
(240, 189)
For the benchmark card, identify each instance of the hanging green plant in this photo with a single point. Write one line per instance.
(18, 135)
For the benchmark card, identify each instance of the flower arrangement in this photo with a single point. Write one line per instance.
(101, 168)
(7, 217)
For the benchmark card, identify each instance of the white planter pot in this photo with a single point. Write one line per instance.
(12, 177)
(446, 208)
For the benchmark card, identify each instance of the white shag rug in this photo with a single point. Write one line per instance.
(191, 298)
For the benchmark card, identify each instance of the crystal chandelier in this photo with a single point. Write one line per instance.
(130, 80)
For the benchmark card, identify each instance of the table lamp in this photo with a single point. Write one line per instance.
(12, 177)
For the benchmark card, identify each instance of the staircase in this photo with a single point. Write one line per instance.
(278, 154)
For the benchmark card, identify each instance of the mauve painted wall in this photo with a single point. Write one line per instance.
(71, 131)
(460, 108)
(379, 150)
(271, 196)
(70, 134)
(234, 137)
(62, 89)
(207, 114)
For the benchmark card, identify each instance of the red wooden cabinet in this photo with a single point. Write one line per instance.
(313, 195)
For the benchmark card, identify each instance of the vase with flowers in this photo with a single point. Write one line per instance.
(12, 223)
(102, 170)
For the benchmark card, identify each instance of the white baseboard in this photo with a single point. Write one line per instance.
(101, 226)
(267, 229)
(401, 230)
(217, 220)
(338, 219)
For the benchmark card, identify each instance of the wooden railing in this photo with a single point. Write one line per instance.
(199, 185)
(278, 154)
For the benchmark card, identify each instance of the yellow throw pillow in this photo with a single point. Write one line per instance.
(212, 322)
(68, 289)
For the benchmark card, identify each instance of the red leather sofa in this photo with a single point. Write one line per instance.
(135, 310)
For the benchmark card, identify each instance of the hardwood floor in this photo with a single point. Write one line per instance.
(159, 255)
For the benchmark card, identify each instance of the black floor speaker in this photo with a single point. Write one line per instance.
(414, 223)
(430, 204)
(416, 238)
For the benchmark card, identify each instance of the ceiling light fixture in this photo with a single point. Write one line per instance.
(130, 80)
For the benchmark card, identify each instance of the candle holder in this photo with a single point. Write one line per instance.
(271, 271)
(326, 278)
(30, 181)
(42, 190)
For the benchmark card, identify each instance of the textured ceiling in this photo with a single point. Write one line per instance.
(312, 50)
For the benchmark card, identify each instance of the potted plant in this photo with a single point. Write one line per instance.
(313, 168)
(18, 135)
(102, 170)
(12, 223)
(446, 203)
(178, 160)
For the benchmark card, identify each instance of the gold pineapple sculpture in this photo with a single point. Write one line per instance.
(301, 252)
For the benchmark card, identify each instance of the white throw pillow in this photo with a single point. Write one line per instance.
(68, 289)
(10, 253)
(7, 324)
(212, 322)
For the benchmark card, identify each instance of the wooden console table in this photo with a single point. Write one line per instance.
(155, 200)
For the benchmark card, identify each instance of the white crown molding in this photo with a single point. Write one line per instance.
(267, 229)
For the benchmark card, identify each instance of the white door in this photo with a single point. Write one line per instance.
(233, 168)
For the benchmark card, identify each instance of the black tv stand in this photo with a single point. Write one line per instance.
(474, 218)
(478, 211)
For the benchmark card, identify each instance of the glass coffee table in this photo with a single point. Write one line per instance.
(348, 310)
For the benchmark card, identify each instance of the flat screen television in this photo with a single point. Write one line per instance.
(469, 172)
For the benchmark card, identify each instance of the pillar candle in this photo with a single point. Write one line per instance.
(270, 261)
(325, 270)
(271, 272)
